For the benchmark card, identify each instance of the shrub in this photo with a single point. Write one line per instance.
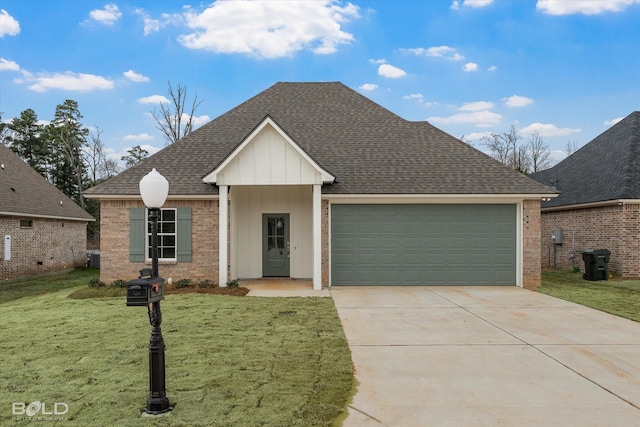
(183, 283)
(96, 283)
(232, 283)
(119, 283)
(206, 283)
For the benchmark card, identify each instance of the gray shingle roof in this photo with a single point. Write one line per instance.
(367, 148)
(25, 192)
(607, 168)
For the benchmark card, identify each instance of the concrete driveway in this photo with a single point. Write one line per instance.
(487, 356)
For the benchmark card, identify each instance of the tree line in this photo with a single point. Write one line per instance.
(532, 155)
(73, 157)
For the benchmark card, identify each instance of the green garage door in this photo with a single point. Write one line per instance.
(423, 244)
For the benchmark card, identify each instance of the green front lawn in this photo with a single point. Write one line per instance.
(619, 297)
(230, 361)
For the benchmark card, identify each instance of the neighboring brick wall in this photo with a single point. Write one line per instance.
(50, 245)
(616, 228)
(531, 223)
(114, 242)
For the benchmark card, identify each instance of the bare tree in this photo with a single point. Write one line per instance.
(538, 152)
(108, 168)
(504, 147)
(94, 154)
(571, 147)
(172, 118)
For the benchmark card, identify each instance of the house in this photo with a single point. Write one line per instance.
(599, 204)
(42, 230)
(315, 181)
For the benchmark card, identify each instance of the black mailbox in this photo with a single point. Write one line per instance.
(144, 291)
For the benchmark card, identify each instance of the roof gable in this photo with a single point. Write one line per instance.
(24, 192)
(268, 156)
(605, 169)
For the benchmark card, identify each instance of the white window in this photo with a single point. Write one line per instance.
(167, 226)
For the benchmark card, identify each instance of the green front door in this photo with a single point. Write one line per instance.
(275, 245)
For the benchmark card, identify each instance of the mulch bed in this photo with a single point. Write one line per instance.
(215, 290)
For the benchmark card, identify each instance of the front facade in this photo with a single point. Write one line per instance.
(599, 204)
(41, 229)
(314, 181)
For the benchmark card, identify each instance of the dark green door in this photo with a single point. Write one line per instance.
(275, 245)
(423, 244)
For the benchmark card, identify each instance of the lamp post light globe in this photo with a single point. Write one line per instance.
(154, 189)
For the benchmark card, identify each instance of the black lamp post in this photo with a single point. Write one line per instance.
(154, 189)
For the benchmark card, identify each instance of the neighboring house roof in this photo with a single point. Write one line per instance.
(607, 168)
(368, 149)
(24, 192)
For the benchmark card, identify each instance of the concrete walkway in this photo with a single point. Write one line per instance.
(487, 356)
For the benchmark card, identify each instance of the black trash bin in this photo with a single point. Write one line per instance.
(596, 264)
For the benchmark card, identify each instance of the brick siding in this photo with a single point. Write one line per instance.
(613, 227)
(531, 223)
(114, 242)
(50, 245)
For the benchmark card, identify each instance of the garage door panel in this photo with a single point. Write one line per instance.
(423, 244)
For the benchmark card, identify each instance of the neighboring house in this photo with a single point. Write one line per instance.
(315, 181)
(599, 204)
(42, 230)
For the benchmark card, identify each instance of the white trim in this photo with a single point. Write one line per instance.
(223, 221)
(212, 177)
(519, 245)
(30, 215)
(147, 258)
(317, 238)
(432, 198)
(137, 197)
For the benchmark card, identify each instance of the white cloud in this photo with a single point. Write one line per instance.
(8, 25)
(477, 3)
(369, 87)
(78, 82)
(269, 29)
(135, 77)
(481, 119)
(492, 68)
(153, 99)
(6, 65)
(548, 130)
(455, 5)
(417, 96)
(107, 16)
(444, 52)
(613, 121)
(476, 106)
(154, 25)
(378, 61)
(140, 137)
(477, 136)
(197, 120)
(391, 72)
(586, 7)
(470, 67)
(517, 101)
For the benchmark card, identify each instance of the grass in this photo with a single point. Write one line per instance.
(616, 296)
(230, 361)
(35, 285)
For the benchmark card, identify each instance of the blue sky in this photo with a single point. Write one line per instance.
(569, 69)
